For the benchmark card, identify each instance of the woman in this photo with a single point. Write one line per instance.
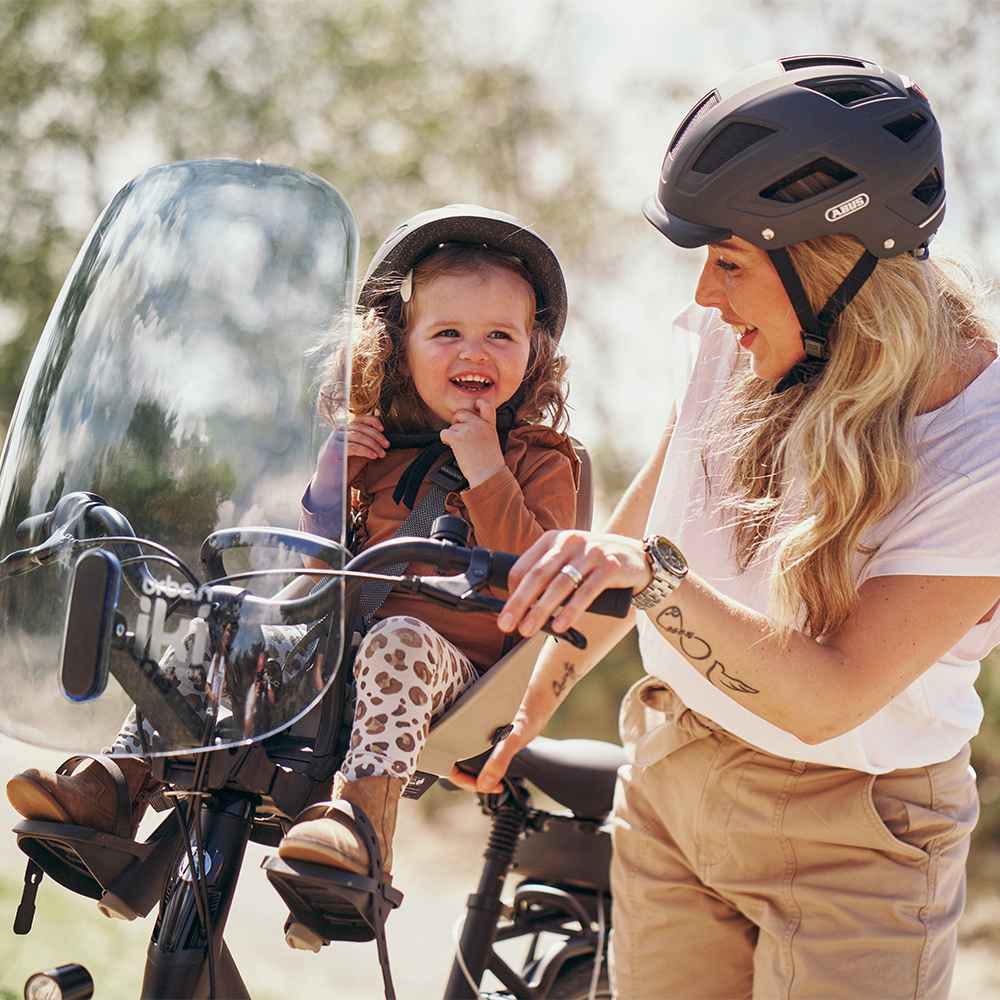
(794, 821)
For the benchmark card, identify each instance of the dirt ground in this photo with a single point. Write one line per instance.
(437, 860)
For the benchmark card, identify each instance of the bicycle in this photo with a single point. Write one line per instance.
(253, 790)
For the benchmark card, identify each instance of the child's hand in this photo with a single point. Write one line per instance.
(365, 441)
(473, 438)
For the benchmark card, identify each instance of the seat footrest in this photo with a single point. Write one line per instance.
(337, 905)
(92, 863)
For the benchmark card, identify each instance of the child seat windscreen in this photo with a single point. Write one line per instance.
(152, 476)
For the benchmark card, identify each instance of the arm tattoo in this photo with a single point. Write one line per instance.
(559, 686)
(696, 648)
(721, 679)
(692, 646)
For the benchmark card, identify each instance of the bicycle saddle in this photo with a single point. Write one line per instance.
(579, 774)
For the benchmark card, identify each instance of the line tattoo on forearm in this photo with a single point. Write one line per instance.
(671, 620)
(691, 645)
(569, 674)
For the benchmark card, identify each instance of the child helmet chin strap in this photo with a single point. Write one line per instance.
(815, 329)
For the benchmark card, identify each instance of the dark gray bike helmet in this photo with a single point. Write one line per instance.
(870, 131)
(866, 134)
(476, 226)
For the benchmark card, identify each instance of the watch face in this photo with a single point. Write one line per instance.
(668, 556)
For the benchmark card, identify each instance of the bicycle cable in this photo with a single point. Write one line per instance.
(165, 555)
(599, 950)
(198, 888)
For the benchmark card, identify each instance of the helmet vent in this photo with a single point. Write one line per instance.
(696, 115)
(908, 126)
(808, 62)
(814, 178)
(846, 92)
(929, 188)
(730, 142)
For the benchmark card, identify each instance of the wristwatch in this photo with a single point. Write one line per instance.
(669, 569)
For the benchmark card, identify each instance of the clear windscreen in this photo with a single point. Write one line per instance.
(171, 396)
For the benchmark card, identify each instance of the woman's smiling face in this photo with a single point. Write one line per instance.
(740, 281)
(468, 339)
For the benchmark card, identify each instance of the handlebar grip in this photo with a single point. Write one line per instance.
(614, 603)
(501, 565)
(33, 529)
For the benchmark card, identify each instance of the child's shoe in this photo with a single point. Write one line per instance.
(325, 835)
(86, 798)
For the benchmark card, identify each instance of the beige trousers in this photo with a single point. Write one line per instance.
(738, 874)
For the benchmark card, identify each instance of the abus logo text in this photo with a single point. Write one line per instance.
(846, 208)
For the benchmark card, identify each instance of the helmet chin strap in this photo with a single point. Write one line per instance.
(815, 329)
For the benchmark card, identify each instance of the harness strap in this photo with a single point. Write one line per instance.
(25, 915)
(418, 522)
(415, 473)
(447, 478)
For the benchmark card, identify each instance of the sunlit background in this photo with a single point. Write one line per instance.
(558, 112)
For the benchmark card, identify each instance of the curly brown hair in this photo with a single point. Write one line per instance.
(379, 385)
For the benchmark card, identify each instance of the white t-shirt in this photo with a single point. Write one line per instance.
(949, 526)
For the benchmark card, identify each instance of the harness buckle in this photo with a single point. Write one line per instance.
(448, 476)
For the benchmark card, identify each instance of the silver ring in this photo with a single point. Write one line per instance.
(573, 573)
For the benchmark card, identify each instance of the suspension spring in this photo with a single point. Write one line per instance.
(508, 824)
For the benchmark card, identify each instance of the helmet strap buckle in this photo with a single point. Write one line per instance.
(816, 347)
(816, 329)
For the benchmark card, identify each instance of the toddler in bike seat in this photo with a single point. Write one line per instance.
(455, 362)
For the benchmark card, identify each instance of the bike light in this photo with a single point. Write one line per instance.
(67, 982)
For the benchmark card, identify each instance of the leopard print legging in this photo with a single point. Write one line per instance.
(406, 676)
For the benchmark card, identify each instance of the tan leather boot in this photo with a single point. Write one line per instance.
(327, 836)
(86, 798)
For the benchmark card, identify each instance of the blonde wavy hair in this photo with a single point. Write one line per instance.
(810, 471)
(378, 350)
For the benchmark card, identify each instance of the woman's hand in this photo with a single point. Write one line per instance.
(540, 585)
(364, 441)
(491, 774)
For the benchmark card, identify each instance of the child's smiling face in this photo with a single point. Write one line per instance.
(468, 339)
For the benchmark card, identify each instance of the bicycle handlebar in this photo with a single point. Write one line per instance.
(76, 515)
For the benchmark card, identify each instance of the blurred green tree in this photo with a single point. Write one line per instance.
(373, 96)
(376, 97)
(171, 489)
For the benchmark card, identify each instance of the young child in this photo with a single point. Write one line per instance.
(462, 311)
(464, 308)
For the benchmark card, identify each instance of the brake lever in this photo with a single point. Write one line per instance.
(43, 554)
(460, 592)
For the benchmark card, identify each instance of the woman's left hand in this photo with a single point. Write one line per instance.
(540, 584)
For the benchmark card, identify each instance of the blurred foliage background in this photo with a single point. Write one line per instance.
(368, 95)
(410, 104)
